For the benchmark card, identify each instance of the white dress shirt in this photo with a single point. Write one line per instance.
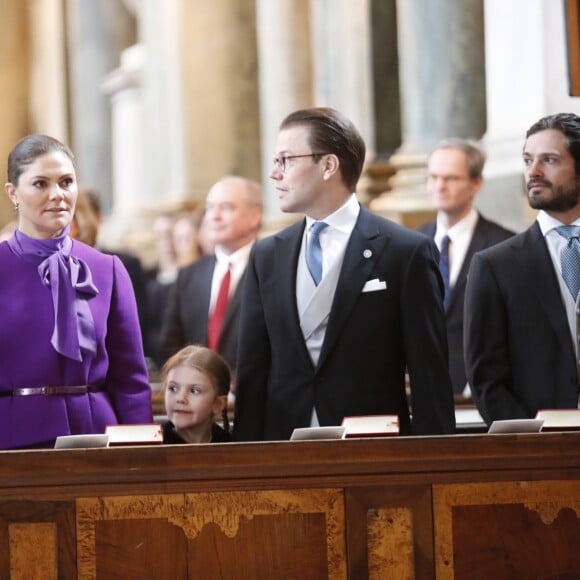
(334, 238)
(237, 262)
(460, 235)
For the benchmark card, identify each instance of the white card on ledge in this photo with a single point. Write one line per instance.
(139, 434)
(312, 433)
(516, 426)
(85, 441)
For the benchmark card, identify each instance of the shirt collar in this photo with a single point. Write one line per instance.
(464, 225)
(240, 255)
(343, 219)
(547, 223)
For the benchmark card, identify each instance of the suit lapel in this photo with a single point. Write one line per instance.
(363, 249)
(233, 307)
(288, 243)
(537, 265)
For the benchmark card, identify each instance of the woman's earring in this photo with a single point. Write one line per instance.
(16, 206)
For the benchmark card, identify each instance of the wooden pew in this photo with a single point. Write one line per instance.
(472, 506)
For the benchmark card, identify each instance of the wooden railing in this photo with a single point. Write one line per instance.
(473, 506)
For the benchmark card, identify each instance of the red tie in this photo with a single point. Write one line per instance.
(216, 318)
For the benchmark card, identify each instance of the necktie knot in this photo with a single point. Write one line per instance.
(314, 251)
(317, 227)
(569, 232)
(570, 258)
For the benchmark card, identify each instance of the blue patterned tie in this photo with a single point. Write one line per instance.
(314, 251)
(570, 258)
(444, 268)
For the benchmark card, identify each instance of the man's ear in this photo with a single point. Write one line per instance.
(477, 184)
(331, 165)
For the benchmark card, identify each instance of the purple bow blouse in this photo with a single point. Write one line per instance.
(68, 318)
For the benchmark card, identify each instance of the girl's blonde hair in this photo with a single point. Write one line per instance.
(208, 362)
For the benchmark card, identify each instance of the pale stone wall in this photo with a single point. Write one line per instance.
(14, 87)
(214, 80)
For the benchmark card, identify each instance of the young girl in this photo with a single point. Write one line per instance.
(197, 383)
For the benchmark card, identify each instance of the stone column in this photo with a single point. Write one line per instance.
(97, 33)
(14, 87)
(163, 33)
(527, 78)
(442, 84)
(48, 104)
(386, 99)
(385, 62)
(125, 89)
(342, 62)
(286, 84)
(218, 48)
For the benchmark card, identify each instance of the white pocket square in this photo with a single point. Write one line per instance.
(374, 285)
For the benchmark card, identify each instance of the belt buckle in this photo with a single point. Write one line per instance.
(27, 391)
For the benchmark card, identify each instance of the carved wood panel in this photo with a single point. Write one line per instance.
(297, 533)
(37, 535)
(507, 530)
(390, 532)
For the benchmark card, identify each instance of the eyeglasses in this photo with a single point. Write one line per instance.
(280, 162)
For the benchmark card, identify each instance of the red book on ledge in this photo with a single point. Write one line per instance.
(145, 434)
(559, 419)
(371, 426)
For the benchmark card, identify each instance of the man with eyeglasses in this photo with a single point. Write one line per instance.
(338, 306)
(454, 178)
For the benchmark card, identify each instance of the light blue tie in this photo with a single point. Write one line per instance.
(570, 258)
(314, 251)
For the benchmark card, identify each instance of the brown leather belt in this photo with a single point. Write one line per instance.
(48, 391)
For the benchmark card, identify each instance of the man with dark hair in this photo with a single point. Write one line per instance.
(521, 302)
(454, 178)
(338, 306)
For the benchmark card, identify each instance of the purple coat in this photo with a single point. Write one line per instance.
(27, 358)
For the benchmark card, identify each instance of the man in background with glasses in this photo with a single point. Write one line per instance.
(454, 178)
(338, 306)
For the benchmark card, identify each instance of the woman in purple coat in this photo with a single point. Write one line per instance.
(71, 356)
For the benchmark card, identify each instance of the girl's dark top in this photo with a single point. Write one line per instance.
(218, 435)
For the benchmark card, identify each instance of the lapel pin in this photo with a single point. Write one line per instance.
(367, 254)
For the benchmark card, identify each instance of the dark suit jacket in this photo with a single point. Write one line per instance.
(185, 320)
(370, 340)
(486, 234)
(139, 281)
(518, 349)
